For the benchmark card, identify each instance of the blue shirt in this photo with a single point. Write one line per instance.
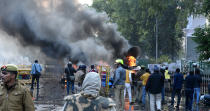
(38, 68)
(120, 76)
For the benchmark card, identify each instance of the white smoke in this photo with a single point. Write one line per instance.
(12, 52)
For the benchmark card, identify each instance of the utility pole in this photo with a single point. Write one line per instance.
(156, 35)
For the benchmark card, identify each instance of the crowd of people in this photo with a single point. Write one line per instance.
(140, 84)
(155, 85)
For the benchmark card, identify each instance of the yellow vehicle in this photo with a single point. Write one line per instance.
(24, 74)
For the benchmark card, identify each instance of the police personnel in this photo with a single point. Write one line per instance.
(89, 99)
(13, 96)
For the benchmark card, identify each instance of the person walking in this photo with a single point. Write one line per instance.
(144, 78)
(154, 86)
(119, 84)
(36, 73)
(189, 89)
(88, 99)
(69, 71)
(138, 87)
(128, 86)
(197, 85)
(177, 87)
(13, 96)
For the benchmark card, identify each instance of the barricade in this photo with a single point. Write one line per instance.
(205, 81)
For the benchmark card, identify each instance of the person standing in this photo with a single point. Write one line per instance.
(69, 71)
(128, 85)
(162, 72)
(177, 87)
(197, 85)
(144, 78)
(80, 75)
(131, 62)
(189, 89)
(119, 84)
(167, 79)
(138, 87)
(36, 73)
(13, 96)
(92, 69)
(154, 86)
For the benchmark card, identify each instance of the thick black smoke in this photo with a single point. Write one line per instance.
(134, 51)
(66, 30)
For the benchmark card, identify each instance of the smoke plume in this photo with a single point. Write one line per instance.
(67, 29)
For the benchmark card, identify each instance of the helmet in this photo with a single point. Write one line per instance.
(9, 67)
(137, 68)
(119, 61)
(163, 67)
(82, 67)
(69, 63)
(156, 68)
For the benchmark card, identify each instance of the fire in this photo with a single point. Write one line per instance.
(131, 61)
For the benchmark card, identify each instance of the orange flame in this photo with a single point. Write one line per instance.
(131, 61)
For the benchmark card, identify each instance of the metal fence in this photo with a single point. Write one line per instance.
(205, 81)
(205, 72)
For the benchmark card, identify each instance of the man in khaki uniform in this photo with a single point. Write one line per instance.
(13, 96)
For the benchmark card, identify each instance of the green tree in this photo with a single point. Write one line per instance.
(203, 40)
(164, 58)
(202, 35)
(136, 21)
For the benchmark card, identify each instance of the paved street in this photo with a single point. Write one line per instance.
(54, 102)
(166, 107)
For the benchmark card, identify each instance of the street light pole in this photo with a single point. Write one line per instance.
(156, 42)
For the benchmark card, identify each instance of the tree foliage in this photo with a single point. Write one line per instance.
(136, 21)
(203, 40)
(206, 8)
(202, 35)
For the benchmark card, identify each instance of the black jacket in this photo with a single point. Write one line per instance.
(155, 83)
(189, 82)
(198, 81)
(139, 74)
(69, 71)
